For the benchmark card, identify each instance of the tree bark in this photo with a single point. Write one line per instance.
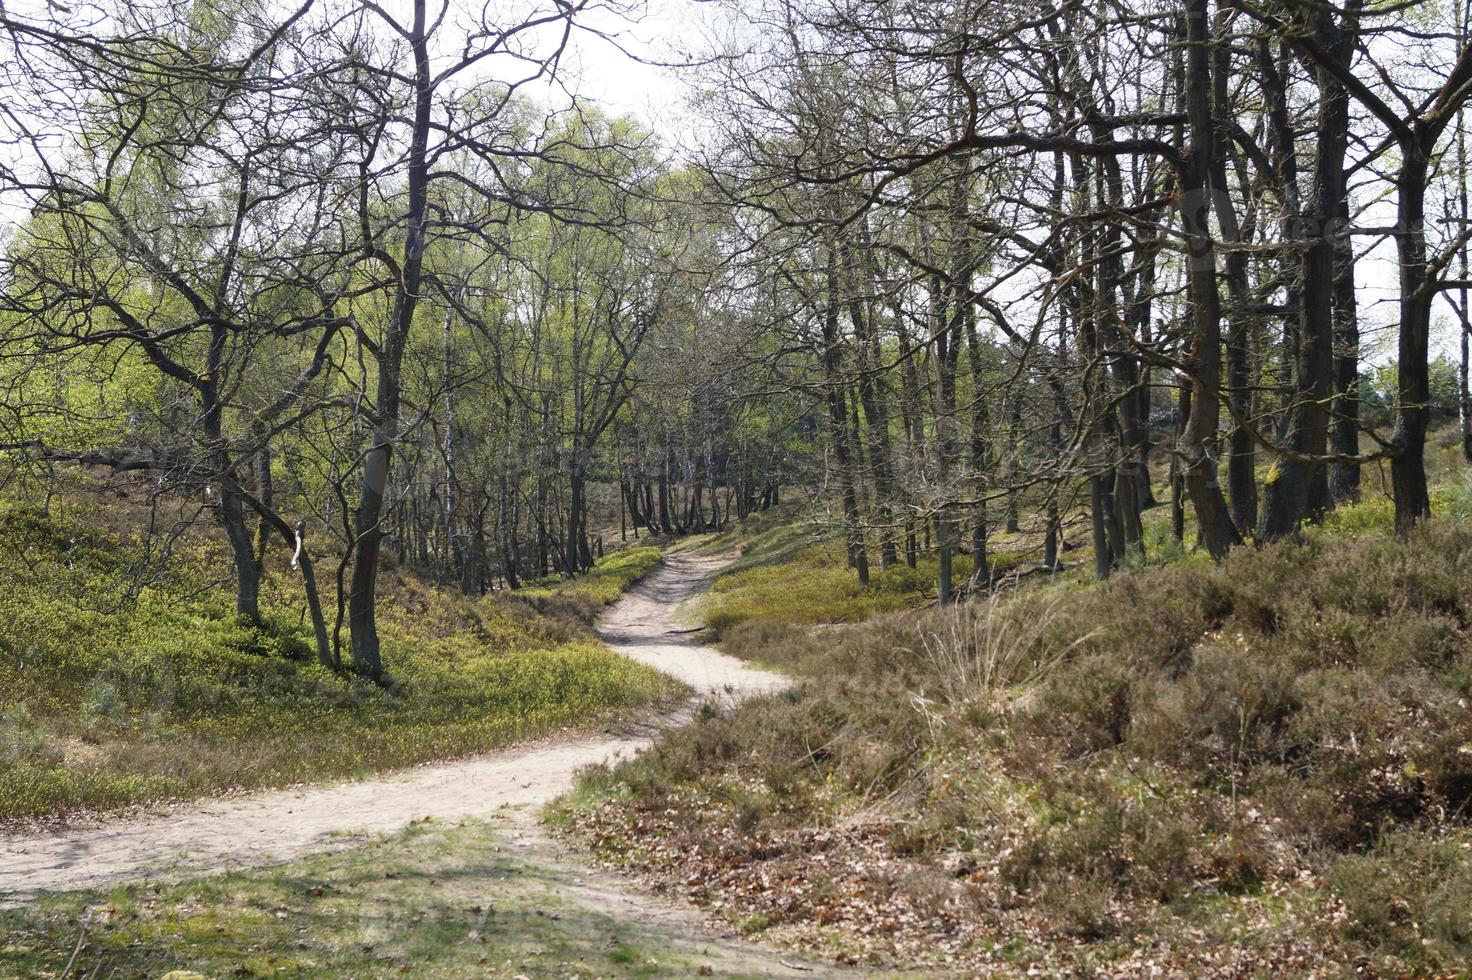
(876, 409)
(362, 599)
(1293, 489)
(1344, 478)
(1214, 526)
(834, 394)
(1413, 396)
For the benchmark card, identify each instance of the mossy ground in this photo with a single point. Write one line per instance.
(434, 901)
(121, 683)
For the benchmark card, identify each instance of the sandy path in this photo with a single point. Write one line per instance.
(275, 826)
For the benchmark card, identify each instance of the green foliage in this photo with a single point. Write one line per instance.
(1372, 514)
(785, 575)
(565, 609)
(1379, 391)
(117, 692)
(1161, 546)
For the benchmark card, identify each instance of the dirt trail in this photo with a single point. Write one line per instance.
(276, 826)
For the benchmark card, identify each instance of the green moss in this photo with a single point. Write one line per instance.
(119, 687)
(436, 901)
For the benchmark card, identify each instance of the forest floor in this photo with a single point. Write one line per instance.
(1256, 768)
(511, 864)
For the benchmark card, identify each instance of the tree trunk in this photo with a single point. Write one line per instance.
(981, 572)
(834, 392)
(362, 600)
(242, 549)
(1241, 453)
(1413, 397)
(1344, 478)
(1296, 486)
(1215, 529)
(876, 410)
(1177, 474)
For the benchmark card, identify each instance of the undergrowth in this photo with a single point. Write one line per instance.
(798, 573)
(120, 686)
(1262, 766)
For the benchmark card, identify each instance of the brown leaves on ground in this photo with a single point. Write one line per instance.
(846, 893)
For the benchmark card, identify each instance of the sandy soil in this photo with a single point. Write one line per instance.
(645, 626)
(276, 826)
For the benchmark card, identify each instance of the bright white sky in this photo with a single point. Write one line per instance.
(638, 82)
(673, 31)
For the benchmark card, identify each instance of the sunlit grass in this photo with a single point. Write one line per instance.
(606, 582)
(113, 694)
(816, 586)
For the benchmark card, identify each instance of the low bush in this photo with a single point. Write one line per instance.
(1409, 897)
(1180, 744)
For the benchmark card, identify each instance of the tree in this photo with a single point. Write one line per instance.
(151, 242)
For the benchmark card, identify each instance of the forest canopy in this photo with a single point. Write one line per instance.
(347, 282)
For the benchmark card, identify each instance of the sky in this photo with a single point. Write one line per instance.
(635, 75)
(632, 74)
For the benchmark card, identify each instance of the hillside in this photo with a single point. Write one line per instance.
(1262, 766)
(122, 682)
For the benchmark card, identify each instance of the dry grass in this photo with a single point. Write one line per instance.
(1263, 766)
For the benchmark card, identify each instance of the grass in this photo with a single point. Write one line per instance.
(582, 598)
(1263, 766)
(814, 587)
(797, 573)
(434, 901)
(120, 686)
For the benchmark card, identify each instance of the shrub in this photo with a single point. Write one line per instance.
(1409, 897)
(1121, 755)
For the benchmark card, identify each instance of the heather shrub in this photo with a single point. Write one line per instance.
(1410, 897)
(1136, 749)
